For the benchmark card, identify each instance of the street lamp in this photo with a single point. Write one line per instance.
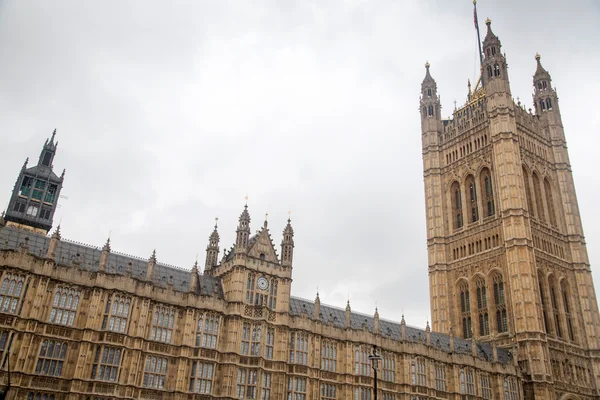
(375, 358)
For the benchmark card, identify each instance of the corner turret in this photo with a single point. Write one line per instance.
(287, 245)
(212, 250)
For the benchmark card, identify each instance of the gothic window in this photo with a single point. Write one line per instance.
(362, 393)
(549, 104)
(465, 307)
(49, 198)
(51, 358)
(155, 372)
(496, 70)
(539, 85)
(64, 306)
(38, 189)
(208, 330)
(26, 185)
(543, 301)
(493, 51)
(201, 378)
(39, 396)
(296, 388)
(162, 324)
(246, 383)
(489, 70)
(273, 294)
(530, 207)
(362, 365)
(566, 305)
(11, 292)
(440, 378)
(266, 386)
(388, 365)
(328, 391)
(486, 387)
(418, 372)
(554, 301)
(250, 288)
(538, 198)
(484, 323)
(500, 303)
(269, 343)
(472, 198)
(430, 111)
(488, 194)
(106, 364)
(329, 357)
(457, 205)
(116, 314)
(550, 202)
(429, 92)
(4, 335)
(467, 381)
(299, 348)
(510, 389)
(245, 343)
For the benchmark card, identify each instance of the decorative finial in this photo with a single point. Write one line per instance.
(195, 269)
(488, 21)
(107, 244)
(537, 56)
(427, 328)
(153, 256)
(57, 232)
(474, 2)
(266, 219)
(246, 198)
(216, 222)
(427, 64)
(454, 105)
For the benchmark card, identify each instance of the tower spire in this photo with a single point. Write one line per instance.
(212, 250)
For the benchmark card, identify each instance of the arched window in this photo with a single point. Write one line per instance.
(484, 322)
(488, 195)
(465, 308)
(496, 70)
(489, 70)
(493, 51)
(542, 105)
(549, 104)
(564, 288)
(429, 92)
(538, 198)
(543, 300)
(528, 192)
(472, 198)
(430, 111)
(457, 205)
(539, 85)
(554, 301)
(500, 303)
(550, 202)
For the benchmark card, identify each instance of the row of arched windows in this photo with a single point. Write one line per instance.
(473, 203)
(466, 149)
(540, 199)
(555, 299)
(476, 246)
(479, 314)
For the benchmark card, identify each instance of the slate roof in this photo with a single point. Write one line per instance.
(44, 172)
(88, 257)
(393, 330)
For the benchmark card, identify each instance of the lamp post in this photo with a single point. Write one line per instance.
(375, 358)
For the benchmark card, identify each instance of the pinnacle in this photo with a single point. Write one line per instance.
(56, 234)
(107, 245)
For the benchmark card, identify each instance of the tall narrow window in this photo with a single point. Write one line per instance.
(496, 70)
(542, 105)
(550, 202)
(430, 111)
(296, 388)
(116, 314)
(208, 330)
(510, 389)
(273, 294)
(362, 365)
(543, 301)
(106, 364)
(3, 341)
(265, 386)
(488, 194)
(440, 377)
(155, 372)
(484, 323)
(538, 198)
(457, 205)
(299, 348)
(201, 377)
(329, 356)
(328, 391)
(500, 303)
(467, 381)
(486, 387)
(362, 393)
(429, 92)
(246, 383)
(162, 324)
(549, 104)
(269, 343)
(245, 343)
(64, 306)
(11, 292)
(388, 364)
(418, 372)
(566, 305)
(472, 198)
(51, 358)
(255, 340)
(530, 207)
(250, 288)
(26, 185)
(465, 308)
(554, 301)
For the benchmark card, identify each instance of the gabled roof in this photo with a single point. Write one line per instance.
(337, 317)
(44, 172)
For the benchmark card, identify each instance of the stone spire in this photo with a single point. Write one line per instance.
(494, 64)
(194, 278)
(348, 314)
(376, 321)
(151, 265)
(243, 232)
(104, 256)
(317, 307)
(212, 250)
(428, 333)
(403, 328)
(545, 98)
(287, 245)
(53, 246)
(430, 102)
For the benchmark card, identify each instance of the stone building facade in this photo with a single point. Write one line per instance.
(507, 257)
(84, 322)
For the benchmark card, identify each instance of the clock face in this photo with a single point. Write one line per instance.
(262, 283)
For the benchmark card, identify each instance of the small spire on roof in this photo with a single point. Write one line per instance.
(56, 234)
(153, 256)
(402, 321)
(427, 328)
(107, 245)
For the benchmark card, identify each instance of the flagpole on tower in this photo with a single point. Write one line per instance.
(478, 39)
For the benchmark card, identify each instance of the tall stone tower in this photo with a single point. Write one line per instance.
(507, 256)
(36, 192)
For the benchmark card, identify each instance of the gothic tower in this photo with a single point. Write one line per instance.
(507, 257)
(36, 191)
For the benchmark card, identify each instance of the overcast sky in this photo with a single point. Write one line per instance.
(169, 113)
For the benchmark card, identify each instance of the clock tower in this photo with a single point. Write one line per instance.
(251, 271)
